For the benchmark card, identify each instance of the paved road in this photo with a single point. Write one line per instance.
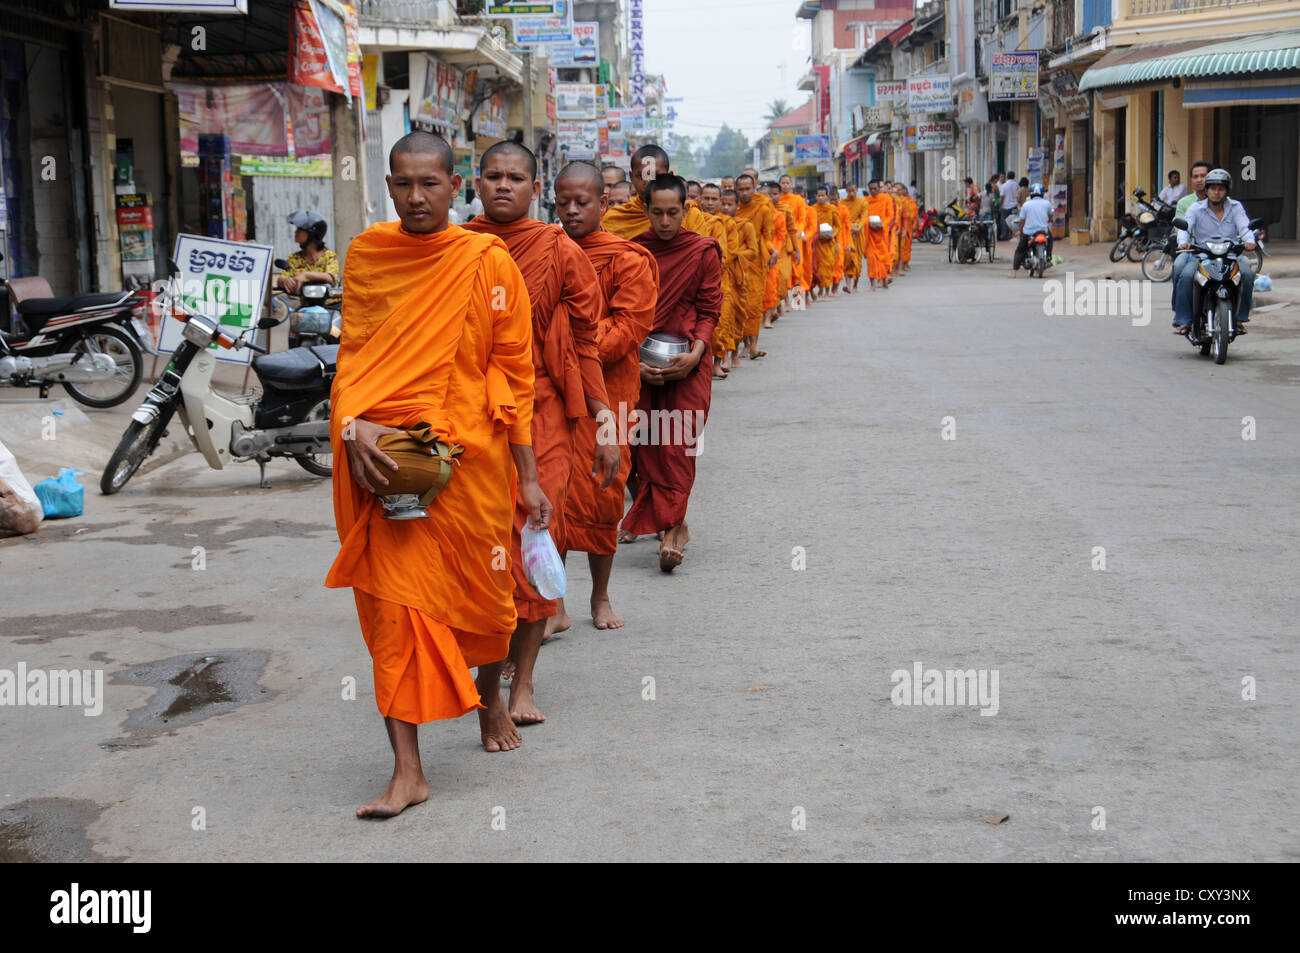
(1119, 689)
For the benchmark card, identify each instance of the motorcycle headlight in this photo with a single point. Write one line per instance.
(314, 292)
(1218, 248)
(1146, 218)
(198, 332)
(313, 320)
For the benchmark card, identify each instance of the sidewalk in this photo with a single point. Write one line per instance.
(1281, 260)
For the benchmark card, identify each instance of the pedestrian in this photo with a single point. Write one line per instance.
(569, 384)
(689, 302)
(1175, 190)
(630, 220)
(629, 285)
(880, 222)
(724, 335)
(757, 209)
(828, 250)
(430, 604)
(856, 206)
(1009, 193)
(747, 258)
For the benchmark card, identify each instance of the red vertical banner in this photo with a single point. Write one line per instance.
(308, 64)
(354, 52)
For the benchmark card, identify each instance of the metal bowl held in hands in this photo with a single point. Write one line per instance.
(659, 348)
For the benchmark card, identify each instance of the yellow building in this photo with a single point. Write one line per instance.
(1189, 80)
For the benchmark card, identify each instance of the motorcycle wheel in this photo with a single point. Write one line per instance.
(318, 464)
(1219, 346)
(1138, 247)
(951, 251)
(991, 246)
(1257, 259)
(931, 235)
(1158, 265)
(139, 441)
(130, 368)
(1120, 248)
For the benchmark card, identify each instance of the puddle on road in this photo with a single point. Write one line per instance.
(37, 629)
(49, 829)
(190, 689)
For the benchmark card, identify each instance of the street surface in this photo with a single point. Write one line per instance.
(771, 734)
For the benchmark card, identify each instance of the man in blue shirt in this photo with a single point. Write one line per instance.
(1035, 216)
(1214, 218)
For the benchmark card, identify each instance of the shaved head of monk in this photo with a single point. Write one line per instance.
(786, 183)
(666, 203)
(693, 190)
(823, 194)
(745, 185)
(752, 173)
(773, 190)
(729, 202)
(728, 182)
(580, 199)
(647, 162)
(620, 193)
(507, 182)
(852, 189)
(710, 198)
(421, 182)
(612, 174)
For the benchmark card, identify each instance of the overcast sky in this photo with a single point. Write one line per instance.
(725, 58)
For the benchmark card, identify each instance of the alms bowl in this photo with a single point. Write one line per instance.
(659, 348)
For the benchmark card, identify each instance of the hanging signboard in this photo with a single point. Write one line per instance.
(579, 140)
(583, 51)
(812, 148)
(443, 97)
(929, 94)
(180, 6)
(1013, 76)
(636, 53)
(225, 280)
(890, 91)
(548, 28)
(526, 8)
(575, 101)
(1066, 87)
(936, 134)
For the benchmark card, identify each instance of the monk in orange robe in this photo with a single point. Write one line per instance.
(810, 229)
(909, 224)
(426, 339)
(828, 246)
(690, 300)
(879, 255)
(841, 239)
(798, 206)
(772, 293)
(629, 285)
(757, 209)
(630, 220)
(780, 277)
(728, 238)
(747, 256)
(857, 207)
(568, 381)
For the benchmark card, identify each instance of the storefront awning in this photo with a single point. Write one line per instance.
(1260, 52)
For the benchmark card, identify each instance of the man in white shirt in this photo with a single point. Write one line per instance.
(1036, 216)
(1215, 218)
(1175, 190)
(1007, 188)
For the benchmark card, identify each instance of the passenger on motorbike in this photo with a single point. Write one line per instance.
(1035, 216)
(313, 262)
(1214, 218)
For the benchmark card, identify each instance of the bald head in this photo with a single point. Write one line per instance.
(582, 173)
(424, 143)
(514, 150)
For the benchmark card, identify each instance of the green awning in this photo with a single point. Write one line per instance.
(1244, 55)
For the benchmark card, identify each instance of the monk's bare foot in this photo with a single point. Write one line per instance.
(660, 535)
(560, 622)
(755, 355)
(602, 613)
(767, 326)
(625, 537)
(497, 728)
(400, 794)
(673, 550)
(523, 709)
(507, 670)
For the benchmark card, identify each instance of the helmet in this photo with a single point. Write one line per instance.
(1036, 190)
(1219, 177)
(313, 223)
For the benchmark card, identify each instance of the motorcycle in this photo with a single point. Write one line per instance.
(1155, 223)
(311, 323)
(1128, 232)
(1158, 263)
(963, 246)
(89, 343)
(929, 227)
(1216, 296)
(289, 419)
(1037, 261)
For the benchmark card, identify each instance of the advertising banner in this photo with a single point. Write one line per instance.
(583, 51)
(812, 148)
(929, 94)
(224, 280)
(442, 100)
(575, 101)
(891, 91)
(550, 28)
(252, 115)
(1013, 76)
(936, 134)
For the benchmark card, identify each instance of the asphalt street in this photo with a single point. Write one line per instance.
(938, 475)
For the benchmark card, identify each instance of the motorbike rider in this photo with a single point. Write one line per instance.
(1214, 218)
(1035, 216)
(313, 262)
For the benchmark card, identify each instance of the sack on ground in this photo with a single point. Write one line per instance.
(20, 507)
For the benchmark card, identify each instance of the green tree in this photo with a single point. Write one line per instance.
(683, 157)
(776, 109)
(728, 153)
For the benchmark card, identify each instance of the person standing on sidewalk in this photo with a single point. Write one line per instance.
(1010, 192)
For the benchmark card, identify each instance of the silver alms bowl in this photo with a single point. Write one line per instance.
(659, 348)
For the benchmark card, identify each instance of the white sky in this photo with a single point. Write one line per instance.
(725, 57)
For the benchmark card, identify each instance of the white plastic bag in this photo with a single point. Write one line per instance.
(542, 564)
(20, 507)
(10, 473)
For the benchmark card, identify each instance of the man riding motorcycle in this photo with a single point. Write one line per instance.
(313, 261)
(1214, 218)
(1035, 216)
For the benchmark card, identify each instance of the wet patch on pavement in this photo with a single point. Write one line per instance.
(37, 629)
(49, 829)
(190, 688)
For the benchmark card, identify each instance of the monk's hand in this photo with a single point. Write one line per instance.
(605, 467)
(539, 507)
(772, 259)
(652, 375)
(365, 459)
(681, 365)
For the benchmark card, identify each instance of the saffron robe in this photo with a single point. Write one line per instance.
(422, 341)
(879, 241)
(828, 252)
(632, 218)
(629, 285)
(690, 300)
(759, 213)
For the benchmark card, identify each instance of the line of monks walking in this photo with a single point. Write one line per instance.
(519, 342)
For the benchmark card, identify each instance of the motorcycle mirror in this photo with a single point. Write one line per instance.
(268, 322)
(282, 264)
(1139, 192)
(1180, 224)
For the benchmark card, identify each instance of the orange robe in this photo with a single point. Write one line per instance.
(842, 239)
(629, 285)
(745, 265)
(785, 264)
(848, 238)
(423, 340)
(781, 241)
(733, 289)
(799, 208)
(759, 213)
(909, 225)
(810, 245)
(879, 256)
(857, 233)
(828, 252)
(631, 219)
(566, 307)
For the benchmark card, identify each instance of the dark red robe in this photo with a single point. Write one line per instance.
(690, 302)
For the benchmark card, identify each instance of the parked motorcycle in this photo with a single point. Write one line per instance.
(1155, 222)
(1216, 296)
(312, 323)
(1037, 261)
(1128, 231)
(89, 343)
(929, 227)
(289, 419)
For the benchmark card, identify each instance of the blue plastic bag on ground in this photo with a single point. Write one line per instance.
(542, 563)
(63, 496)
(1263, 283)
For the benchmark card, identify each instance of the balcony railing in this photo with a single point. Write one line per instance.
(405, 12)
(1142, 8)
